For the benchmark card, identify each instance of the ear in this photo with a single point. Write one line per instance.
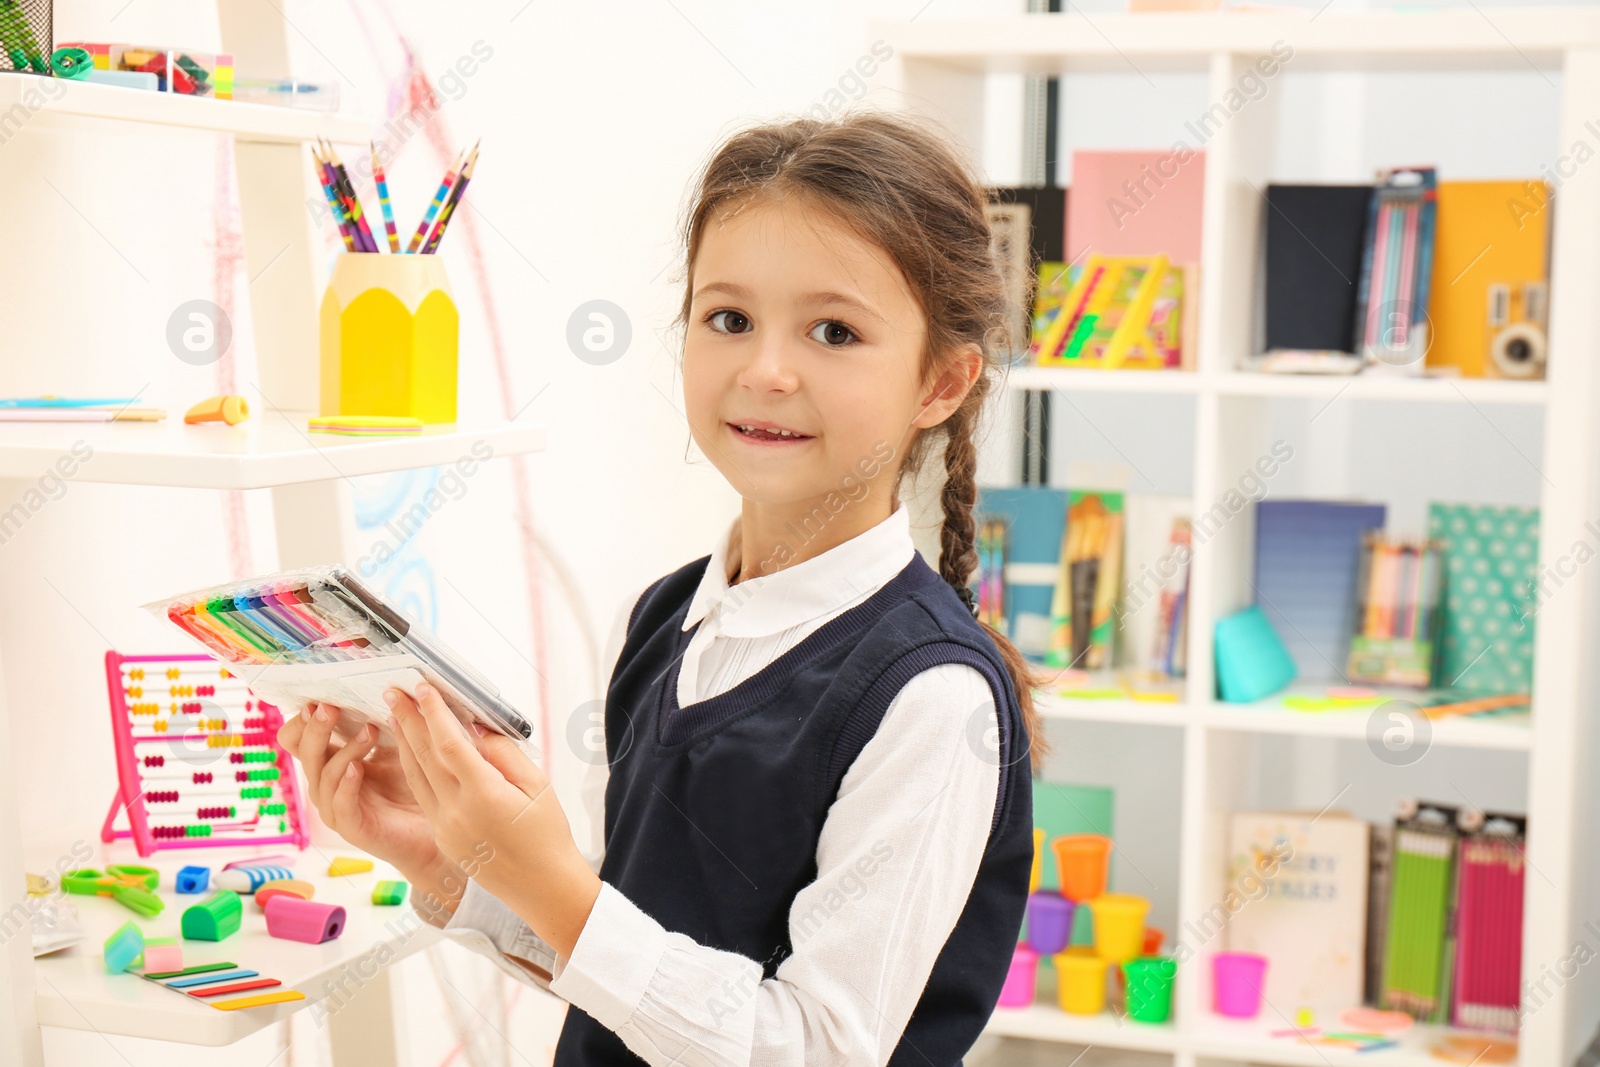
(946, 392)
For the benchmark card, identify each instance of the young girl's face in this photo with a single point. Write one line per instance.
(803, 362)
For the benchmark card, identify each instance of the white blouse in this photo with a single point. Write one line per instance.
(896, 858)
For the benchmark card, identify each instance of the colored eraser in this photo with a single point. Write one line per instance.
(343, 865)
(167, 955)
(389, 892)
(294, 919)
(248, 879)
(193, 880)
(123, 947)
(214, 918)
(292, 886)
(257, 1001)
(277, 860)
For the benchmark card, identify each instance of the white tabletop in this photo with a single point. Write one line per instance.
(75, 992)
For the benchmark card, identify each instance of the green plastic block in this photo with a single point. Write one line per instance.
(214, 918)
(389, 893)
(123, 947)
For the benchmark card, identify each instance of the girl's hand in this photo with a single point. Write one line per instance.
(495, 816)
(365, 801)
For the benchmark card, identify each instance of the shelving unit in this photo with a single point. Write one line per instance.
(940, 68)
(307, 478)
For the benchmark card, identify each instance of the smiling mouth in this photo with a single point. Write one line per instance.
(766, 435)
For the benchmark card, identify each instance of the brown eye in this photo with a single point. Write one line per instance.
(834, 334)
(732, 322)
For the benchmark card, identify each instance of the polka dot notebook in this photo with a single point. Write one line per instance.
(1490, 596)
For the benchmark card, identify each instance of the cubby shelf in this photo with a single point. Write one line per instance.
(26, 99)
(941, 68)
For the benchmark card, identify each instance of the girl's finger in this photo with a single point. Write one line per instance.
(347, 798)
(426, 748)
(421, 788)
(457, 749)
(313, 751)
(352, 752)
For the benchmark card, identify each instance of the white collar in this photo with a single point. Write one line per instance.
(768, 604)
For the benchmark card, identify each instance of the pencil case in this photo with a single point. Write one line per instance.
(319, 635)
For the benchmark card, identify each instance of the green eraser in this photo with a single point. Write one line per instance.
(389, 892)
(123, 947)
(214, 918)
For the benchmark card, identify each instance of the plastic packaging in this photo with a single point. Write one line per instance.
(320, 635)
(177, 70)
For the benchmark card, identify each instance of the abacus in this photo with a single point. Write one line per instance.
(198, 762)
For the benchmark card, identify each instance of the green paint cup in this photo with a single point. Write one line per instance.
(1147, 982)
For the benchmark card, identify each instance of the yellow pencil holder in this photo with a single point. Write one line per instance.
(390, 337)
(1080, 981)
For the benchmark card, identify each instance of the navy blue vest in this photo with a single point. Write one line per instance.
(722, 803)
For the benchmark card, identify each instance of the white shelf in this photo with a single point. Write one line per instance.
(1471, 391)
(1086, 380)
(1249, 1040)
(76, 993)
(1045, 1022)
(1131, 712)
(1367, 386)
(65, 99)
(1504, 38)
(270, 448)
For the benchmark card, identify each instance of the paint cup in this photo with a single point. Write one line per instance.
(1119, 925)
(1080, 981)
(1236, 982)
(1037, 874)
(1049, 922)
(1018, 990)
(1147, 987)
(1152, 941)
(1082, 861)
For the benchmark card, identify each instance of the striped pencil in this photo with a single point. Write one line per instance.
(383, 202)
(352, 202)
(433, 208)
(325, 179)
(449, 208)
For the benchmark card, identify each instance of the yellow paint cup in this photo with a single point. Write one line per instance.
(1038, 861)
(390, 337)
(1119, 925)
(1080, 981)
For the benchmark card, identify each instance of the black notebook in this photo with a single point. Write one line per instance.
(1315, 235)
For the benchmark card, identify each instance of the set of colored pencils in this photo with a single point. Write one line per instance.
(1398, 585)
(352, 219)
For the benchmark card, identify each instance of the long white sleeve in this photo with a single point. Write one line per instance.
(896, 860)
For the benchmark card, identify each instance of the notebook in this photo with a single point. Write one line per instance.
(1314, 238)
(1307, 556)
(1136, 204)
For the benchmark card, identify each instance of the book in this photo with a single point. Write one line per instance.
(1151, 619)
(1314, 237)
(1298, 896)
(1033, 520)
(1490, 274)
(1307, 556)
(1491, 558)
(1142, 203)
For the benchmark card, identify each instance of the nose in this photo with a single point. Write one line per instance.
(770, 365)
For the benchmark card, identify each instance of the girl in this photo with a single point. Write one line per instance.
(816, 785)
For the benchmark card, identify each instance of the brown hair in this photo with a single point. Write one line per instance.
(902, 186)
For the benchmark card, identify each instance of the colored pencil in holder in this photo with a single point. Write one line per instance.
(383, 201)
(325, 179)
(433, 208)
(347, 191)
(450, 205)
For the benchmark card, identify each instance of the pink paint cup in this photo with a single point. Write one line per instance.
(1236, 982)
(1018, 990)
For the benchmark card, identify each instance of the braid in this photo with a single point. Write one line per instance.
(958, 553)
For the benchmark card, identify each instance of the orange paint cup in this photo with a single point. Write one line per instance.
(1082, 861)
(1152, 941)
(1119, 925)
(1080, 981)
